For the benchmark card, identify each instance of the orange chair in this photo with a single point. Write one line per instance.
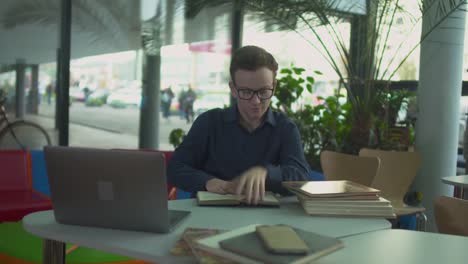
(171, 190)
(17, 197)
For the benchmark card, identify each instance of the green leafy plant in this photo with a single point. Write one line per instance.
(118, 104)
(328, 125)
(391, 133)
(176, 137)
(323, 126)
(95, 102)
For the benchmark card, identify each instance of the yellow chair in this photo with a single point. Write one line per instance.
(451, 215)
(397, 171)
(340, 166)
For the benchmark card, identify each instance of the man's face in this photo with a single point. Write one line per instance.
(246, 83)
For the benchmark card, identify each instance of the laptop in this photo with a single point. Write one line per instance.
(117, 189)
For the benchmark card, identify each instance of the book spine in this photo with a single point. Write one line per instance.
(226, 254)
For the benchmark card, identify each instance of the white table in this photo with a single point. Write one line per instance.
(400, 246)
(460, 182)
(155, 247)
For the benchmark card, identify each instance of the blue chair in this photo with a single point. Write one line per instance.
(316, 176)
(39, 172)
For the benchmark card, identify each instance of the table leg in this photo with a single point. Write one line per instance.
(458, 192)
(421, 221)
(53, 252)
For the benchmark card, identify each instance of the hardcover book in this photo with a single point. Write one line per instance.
(385, 212)
(244, 246)
(208, 198)
(320, 189)
(337, 203)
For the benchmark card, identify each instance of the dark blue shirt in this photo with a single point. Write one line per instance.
(218, 146)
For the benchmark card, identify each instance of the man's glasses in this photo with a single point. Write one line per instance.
(262, 94)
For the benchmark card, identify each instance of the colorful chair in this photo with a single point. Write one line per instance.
(17, 197)
(40, 181)
(18, 246)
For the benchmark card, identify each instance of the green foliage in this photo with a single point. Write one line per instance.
(118, 104)
(390, 133)
(330, 124)
(95, 102)
(176, 137)
(324, 126)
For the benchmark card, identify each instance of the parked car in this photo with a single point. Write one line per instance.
(77, 94)
(210, 101)
(125, 97)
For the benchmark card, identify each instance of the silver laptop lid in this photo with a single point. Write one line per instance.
(119, 189)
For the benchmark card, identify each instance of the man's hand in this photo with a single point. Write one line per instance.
(251, 183)
(216, 185)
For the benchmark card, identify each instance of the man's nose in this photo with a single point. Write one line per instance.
(255, 99)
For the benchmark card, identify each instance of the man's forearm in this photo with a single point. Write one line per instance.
(278, 174)
(187, 178)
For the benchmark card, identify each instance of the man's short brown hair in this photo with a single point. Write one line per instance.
(252, 58)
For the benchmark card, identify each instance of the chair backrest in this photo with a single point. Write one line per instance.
(340, 166)
(171, 190)
(451, 215)
(15, 170)
(397, 171)
(40, 180)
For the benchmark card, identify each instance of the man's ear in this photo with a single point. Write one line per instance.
(233, 89)
(275, 82)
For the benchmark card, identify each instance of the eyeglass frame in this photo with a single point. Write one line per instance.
(254, 92)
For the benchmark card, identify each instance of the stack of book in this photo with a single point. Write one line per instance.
(340, 198)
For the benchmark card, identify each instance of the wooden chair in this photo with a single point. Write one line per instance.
(397, 171)
(451, 215)
(339, 166)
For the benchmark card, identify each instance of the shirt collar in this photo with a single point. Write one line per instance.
(231, 115)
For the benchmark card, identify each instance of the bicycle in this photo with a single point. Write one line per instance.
(20, 134)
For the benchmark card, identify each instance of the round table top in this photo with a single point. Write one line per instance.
(460, 180)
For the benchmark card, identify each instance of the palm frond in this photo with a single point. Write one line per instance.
(44, 13)
(151, 33)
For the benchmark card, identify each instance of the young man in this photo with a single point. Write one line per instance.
(246, 148)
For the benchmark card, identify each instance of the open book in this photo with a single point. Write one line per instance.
(244, 246)
(208, 198)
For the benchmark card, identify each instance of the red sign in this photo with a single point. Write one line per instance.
(211, 46)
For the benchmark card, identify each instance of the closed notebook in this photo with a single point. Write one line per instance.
(351, 212)
(314, 189)
(208, 198)
(250, 245)
(246, 247)
(382, 202)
